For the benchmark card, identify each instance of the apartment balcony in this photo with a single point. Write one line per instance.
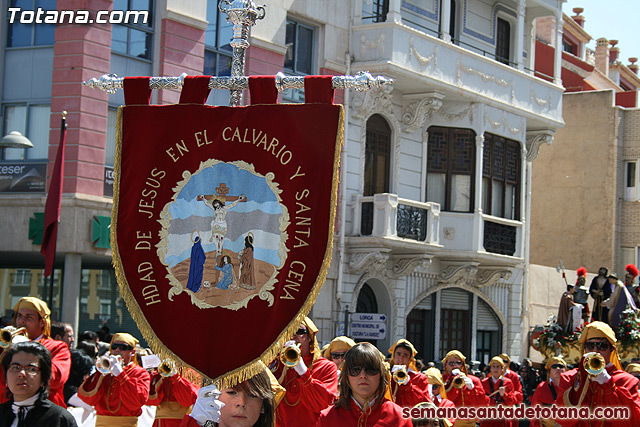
(421, 63)
(400, 227)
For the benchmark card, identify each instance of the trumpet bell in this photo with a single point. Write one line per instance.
(167, 368)
(11, 334)
(458, 382)
(103, 364)
(594, 363)
(401, 376)
(290, 355)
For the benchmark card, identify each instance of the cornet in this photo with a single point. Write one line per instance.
(458, 382)
(167, 368)
(401, 376)
(594, 363)
(11, 333)
(290, 355)
(104, 364)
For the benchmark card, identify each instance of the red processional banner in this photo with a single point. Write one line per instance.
(222, 224)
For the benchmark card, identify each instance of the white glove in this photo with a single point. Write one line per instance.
(603, 377)
(207, 406)
(397, 368)
(116, 365)
(300, 368)
(468, 383)
(455, 372)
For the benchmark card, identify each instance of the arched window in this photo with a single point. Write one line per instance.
(377, 156)
(367, 302)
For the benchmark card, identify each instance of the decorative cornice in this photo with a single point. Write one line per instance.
(417, 108)
(372, 262)
(459, 115)
(535, 139)
(489, 276)
(405, 266)
(459, 274)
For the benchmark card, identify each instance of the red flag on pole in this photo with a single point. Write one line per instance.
(52, 207)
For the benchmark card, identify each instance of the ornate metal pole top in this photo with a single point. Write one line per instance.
(243, 14)
(362, 81)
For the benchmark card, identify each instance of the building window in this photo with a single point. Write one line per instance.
(377, 161)
(452, 23)
(568, 47)
(298, 60)
(631, 180)
(450, 168)
(32, 121)
(217, 50)
(503, 41)
(133, 39)
(375, 10)
(501, 177)
(454, 327)
(22, 35)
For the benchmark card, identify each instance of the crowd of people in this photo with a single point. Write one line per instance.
(342, 384)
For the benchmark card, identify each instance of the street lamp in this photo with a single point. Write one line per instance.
(15, 140)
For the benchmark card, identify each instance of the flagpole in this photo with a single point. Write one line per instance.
(52, 210)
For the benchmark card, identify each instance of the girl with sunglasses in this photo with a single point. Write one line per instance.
(363, 383)
(547, 392)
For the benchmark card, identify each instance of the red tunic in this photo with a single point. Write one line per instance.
(444, 403)
(620, 391)
(517, 385)
(464, 397)
(3, 386)
(173, 396)
(60, 368)
(387, 414)
(412, 393)
(509, 399)
(122, 396)
(308, 394)
(543, 397)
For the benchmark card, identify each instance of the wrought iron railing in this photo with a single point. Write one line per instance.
(500, 238)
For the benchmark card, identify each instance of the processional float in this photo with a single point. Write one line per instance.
(223, 217)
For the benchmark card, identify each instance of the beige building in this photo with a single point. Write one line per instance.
(585, 205)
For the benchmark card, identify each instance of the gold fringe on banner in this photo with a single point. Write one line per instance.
(254, 367)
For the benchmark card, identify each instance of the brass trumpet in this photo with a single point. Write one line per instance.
(104, 364)
(401, 376)
(9, 333)
(290, 355)
(594, 363)
(167, 368)
(458, 381)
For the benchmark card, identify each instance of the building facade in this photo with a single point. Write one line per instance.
(434, 207)
(587, 180)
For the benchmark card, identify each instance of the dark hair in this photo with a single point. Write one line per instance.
(218, 203)
(89, 347)
(81, 366)
(361, 354)
(260, 386)
(44, 362)
(88, 336)
(57, 328)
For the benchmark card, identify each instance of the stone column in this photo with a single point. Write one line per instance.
(71, 283)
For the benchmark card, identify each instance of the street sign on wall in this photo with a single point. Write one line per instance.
(368, 326)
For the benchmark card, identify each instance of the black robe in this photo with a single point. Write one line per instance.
(43, 414)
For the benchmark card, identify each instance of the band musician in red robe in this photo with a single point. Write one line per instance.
(119, 393)
(462, 389)
(311, 385)
(408, 386)
(172, 394)
(34, 315)
(547, 391)
(606, 386)
(500, 391)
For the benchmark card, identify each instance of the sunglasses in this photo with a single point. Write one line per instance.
(302, 332)
(337, 355)
(354, 371)
(600, 345)
(121, 347)
(557, 366)
(452, 363)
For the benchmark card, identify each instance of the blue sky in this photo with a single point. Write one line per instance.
(612, 19)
